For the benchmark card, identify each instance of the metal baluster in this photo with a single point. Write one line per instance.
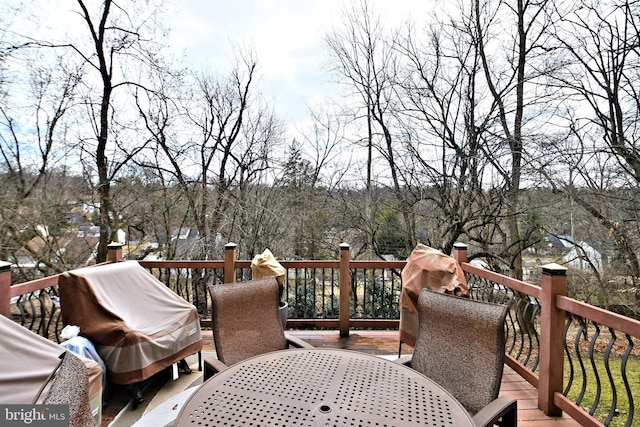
(596, 400)
(614, 394)
(623, 372)
(568, 354)
(581, 331)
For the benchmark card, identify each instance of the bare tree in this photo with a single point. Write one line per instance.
(366, 60)
(599, 43)
(32, 154)
(324, 145)
(216, 144)
(118, 46)
(510, 39)
(446, 128)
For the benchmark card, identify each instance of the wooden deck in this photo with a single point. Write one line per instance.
(386, 343)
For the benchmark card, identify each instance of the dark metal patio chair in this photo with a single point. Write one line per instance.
(246, 322)
(461, 346)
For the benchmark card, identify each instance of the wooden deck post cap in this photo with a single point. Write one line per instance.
(554, 269)
(5, 266)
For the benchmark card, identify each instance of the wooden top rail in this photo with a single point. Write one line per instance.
(500, 279)
(601, 316)
(285, 263)
(181, 264)
(34, 285)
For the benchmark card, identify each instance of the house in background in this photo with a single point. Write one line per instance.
(565, 251)
(77, 249)
(582, 255)
(26, 256)
(88, 230)
(576, 254)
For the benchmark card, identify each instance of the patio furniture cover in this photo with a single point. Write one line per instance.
(265, 265)
(137, 324)
(426, 268)
(27, 361)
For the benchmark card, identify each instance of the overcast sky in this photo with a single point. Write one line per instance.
(286, 35)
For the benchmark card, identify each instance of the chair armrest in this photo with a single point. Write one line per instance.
(504, 407)
(211, 367)
(405, 360)
(296, 342)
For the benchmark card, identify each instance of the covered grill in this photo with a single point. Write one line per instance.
(431, 269)
(136, 323)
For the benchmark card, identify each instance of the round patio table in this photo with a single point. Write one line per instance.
(318, 387)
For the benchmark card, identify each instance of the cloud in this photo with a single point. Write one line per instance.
(287, 37)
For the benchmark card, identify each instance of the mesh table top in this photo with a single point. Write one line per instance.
(321, 387)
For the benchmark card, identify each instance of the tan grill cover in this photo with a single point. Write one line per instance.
(431, 269)
(28, 359)
(138, 325)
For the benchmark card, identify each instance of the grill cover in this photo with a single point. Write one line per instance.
(431, 269)
(28, 359)
(136, 323)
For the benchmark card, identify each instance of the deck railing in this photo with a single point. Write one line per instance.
(370, 289)
(583, 360)
(578, 356)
